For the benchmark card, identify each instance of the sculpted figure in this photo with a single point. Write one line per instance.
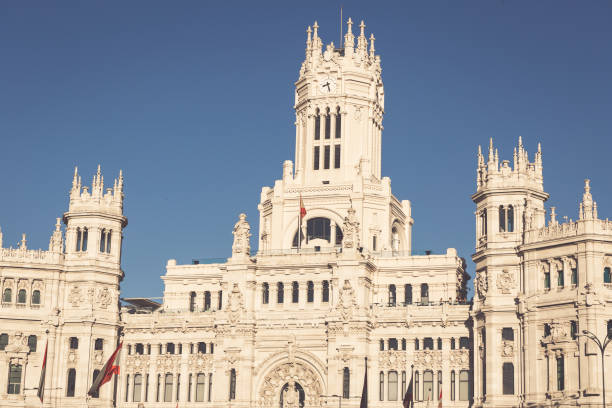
(242, 233)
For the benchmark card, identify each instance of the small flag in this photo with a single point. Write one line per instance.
(408, 399)
(364, 392)
(106, 373)
(302, 208)
(41, 383)
(440, 398)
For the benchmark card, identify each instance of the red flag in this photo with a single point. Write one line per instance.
(440, 398)
(106, 373)
(41, 383)
(302, 208)
(408, 400)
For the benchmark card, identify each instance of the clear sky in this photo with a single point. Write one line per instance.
(193, 100)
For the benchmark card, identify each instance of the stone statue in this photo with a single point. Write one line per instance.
(528, 216)
(350, 230)
(291, 396)
(242, 233)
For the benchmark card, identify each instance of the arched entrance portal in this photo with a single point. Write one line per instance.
(292, 395)
(291, 385)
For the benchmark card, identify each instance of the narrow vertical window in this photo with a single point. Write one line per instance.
(327, 125)
(192, 305)
(206, 301)
(168, 388)
(574, 329)
(452, 343)
(200, 384)
(408, 294)
(21, 296)
(403, 344)
(508, 378)
(464, 385)
(507, 334)
(137, 392)
(416, 344)
(295, 292)
(74, 343)
(382, 345)
(36, 297)
(560, 373)
(310, 292)
(7, 296)
(189, 387)
(32, 340)
(560, 279)
(393, 344)
(265, 293)
(439, 385)
(108, 241)
(158, 390)
(439, 343)
(71, 381)
(607, 275)
(326, 154)
(403, 389)
(392, 386)
(510, 219)
(280, 292)
(338, 123)
(178, 386)
(546, 280)
(96, 392)
(574, 276)
(417, 387)
(202, 347)
(452, 386)
(146, 396)
(381, 386)
(316, 158)
(103, 240)
(392, 295)
(424, 294)
(325, 289)
(610, 328)
(84, 240)
(317, 125)
(346, 383)
(14, 379)
(232, 385)
(374, 243)
(337, 156)
(502, 219)
(220, 305)
(210, 384)
(78, 242)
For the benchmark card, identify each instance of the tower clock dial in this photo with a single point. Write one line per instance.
(327, 85)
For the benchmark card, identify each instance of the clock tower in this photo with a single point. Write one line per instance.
(339, 107)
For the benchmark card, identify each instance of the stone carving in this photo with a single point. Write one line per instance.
(235, 304)
(392, 360)
(507, 349)
(505, 281)
(482, 284)
(459, 358)
(347, 303)
(137, 363)
(200, 362)
(527, 216)
(428, 358)
(75, 297)
(167, 362)
(56, 242)
(287, 373)
(242, 233)
(104, 298)
(350, 230)
(558, 331)
(291, 396)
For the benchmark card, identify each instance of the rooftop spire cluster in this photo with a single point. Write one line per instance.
(491, 173)
(82, 198)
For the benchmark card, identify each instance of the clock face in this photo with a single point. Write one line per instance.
(328, 85)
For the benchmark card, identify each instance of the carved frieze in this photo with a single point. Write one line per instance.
(392, 360)
(428, 358)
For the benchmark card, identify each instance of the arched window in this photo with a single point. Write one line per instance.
(200, 384)
(424, 294)
(21, 296)
(392, 386)
(280, 292)
(464, 385)
(381, 386)
(483, 222)
(202, 347)
(168, 388)
(32, 340)
(265, 293)
(317, 125)
(206, 300)
(310, 292)
(295, 292)
(232, 385)
(3, 341)
(417, 388)
(393, 343)
(7, 296)
(547, 280)
(464, 343)
(192, 299)
(395, 239)
(96, 392)
(338, 134)
(71, 382)
(427, 344)
(325, 290)
(452, 386)
(502, 219)
(392, 295)
(510, 218)
(209, 386)
(560, 278)
(36, 297)
(408, 294)
(318, 228)
(14, 379)
(607, 275)
(574, 276)
(327, 124)
(508, 378)
(81, 244)
(346, 383)
(137, 391)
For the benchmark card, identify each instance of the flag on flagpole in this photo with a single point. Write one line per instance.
(408, 399)
(106, 373)
(43, 370)
(364, 392)
(440, 398)
(302, 208)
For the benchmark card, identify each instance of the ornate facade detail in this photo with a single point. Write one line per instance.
(505, 281)
(138, 363)
(104, 298)
(235, 304)
(350, 230)
(459, 358)
(200, 363)
(347, 303)
(482, 284)
(242, 234)
(428, 359)
(392, 360)
(287, 373)
(167, 362)
(75, 297)
(507, 349)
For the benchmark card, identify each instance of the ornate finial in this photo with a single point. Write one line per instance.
(372, 44)
(316, 29)
(23, 242)
(587, 185)
(520, 141)
(75, 179)
(309, 32)
(58, 224)
(539, 147)
(349, 23)
(553, 216)
(587, 206)
(362, 28)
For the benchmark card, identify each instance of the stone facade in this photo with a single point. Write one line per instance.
(327, 294)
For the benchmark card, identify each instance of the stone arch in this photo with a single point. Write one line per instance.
(311, 213)
(303, 368)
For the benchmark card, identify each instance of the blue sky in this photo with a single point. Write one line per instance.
(193, 100)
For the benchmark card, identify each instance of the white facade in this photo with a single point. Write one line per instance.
(294, 324)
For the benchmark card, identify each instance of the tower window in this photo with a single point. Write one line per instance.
(316, 157)
(265, 293)
(326, 154)
(506, 218)
(36, 297)
(560, 279)
(105, 241)
(607, 275)
(169, 348)
(317, 126)
(327, 125)
(337, 157)
(403, 344)
(547, 280)
(295, 292)
(21, 296)
(338, 123)
(81, 244)
(452, 341)
(310, 292)
(574, 276)
(7, 296)
(209, 386)
(280, 292)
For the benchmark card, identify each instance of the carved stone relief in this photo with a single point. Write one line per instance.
(287, 373)
(505, 281)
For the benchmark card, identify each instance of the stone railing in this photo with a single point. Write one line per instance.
(569, 229)
(30, 256)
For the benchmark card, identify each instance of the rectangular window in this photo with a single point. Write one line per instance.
(346, 382)
(327, 126)
(560, 279)
(200, 383)
(381, 386)
(507, 334)
(220, 305)
(574, 329)
(146, 396)
(403, 389)
(439, 384)
(209, 386)
(14, 379)
(178, 386)
(168, 388)
(70, 385)
(326, 157)
(137, 393)
(452, 386)
(560, 373)
(464, 385)
(392, 344)
(508, 378)
(96, 393)
(316, 158)
(317, 129)
(338, 125)
(574, 276)
(337, 157)
(392, 386)
(547, 280)
(232, 387)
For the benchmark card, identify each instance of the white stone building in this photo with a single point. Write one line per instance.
(294, 323)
